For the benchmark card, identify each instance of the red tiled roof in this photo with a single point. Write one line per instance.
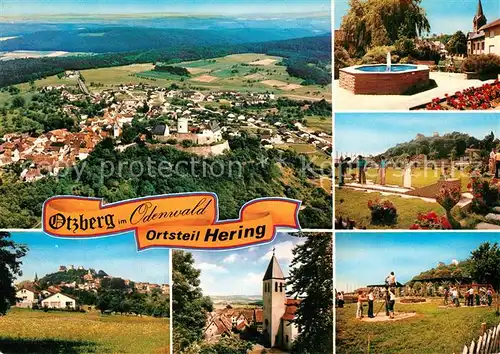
(291, 308)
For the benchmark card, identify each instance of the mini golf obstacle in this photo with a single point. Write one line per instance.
(427, 193)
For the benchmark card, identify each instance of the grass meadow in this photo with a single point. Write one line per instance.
(30, 331)
(432, 330)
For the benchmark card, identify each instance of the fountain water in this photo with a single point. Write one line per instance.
(388, 65)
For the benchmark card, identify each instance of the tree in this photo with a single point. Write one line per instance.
(457, 43)
(10, 267)
(18, 102)
(189, 304)
(370, 23)
(484, 264)
(312, 274)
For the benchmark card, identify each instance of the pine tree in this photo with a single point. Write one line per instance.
(10, 267)
(312, 275)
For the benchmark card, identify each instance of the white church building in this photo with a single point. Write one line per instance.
(278, 310)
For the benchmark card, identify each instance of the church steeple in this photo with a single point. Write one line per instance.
(273, 269)
(479, 20)
(274, 298)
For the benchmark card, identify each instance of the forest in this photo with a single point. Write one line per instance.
(299, 54)
(21, 202)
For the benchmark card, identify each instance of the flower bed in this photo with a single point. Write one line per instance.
(431, 221)
(383, 212)
(473, 98)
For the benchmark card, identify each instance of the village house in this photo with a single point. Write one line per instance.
(27, 296)
(59, 301)
(485, 37)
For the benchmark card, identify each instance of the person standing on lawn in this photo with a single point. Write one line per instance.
(471, 296)
(359, 305)
(382, 170)
(392, 302)
(492, 161)
(446, 295)
(497, 165)
(407, 173)
(344, 164)
(489, 295)
(371, 298)
(361, 170)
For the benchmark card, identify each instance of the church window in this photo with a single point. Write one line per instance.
(275, 287)
(286, 338)
(281, 287)
(482, 45)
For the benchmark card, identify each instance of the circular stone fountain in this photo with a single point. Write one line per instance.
(383, 79)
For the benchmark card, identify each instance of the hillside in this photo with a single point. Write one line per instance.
(21, 205)
(444, 271)
(449, 145)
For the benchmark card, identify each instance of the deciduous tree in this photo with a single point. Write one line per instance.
(10, 267)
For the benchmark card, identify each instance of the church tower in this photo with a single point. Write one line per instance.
(274, 295)
(479, 20)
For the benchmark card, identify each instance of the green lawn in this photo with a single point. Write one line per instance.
(420, 177)
(352, 204)
(433, 330)
(28, 331)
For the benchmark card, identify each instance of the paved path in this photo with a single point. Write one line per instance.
(447, 83)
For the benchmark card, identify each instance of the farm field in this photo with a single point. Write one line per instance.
(28, 331)
(432, 330)
(319, 123)
(232, 72)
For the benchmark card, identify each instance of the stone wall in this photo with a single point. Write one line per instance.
(361, 83)
(205, 151)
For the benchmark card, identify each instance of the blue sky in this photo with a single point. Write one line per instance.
(445, 16)
(221, 7)
(240, 272)
(116, 255)
(374, 133)
(367, 258)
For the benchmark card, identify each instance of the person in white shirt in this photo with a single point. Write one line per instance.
(471, 297)
(454, 295)
(371, 298)
(391, 279)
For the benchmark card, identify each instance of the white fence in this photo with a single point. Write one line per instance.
(488, 343)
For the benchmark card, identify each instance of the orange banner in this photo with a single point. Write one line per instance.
(174, 220)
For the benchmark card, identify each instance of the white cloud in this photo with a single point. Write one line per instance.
(231, 258)
(283, 251)
(454, 261)
(211, 267)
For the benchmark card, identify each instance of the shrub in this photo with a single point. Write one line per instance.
(383, 212)
(485, 194)
(484, 64)
(404, 46)
(431, 221)
(187, 143)
(378, 55)
(448, 198)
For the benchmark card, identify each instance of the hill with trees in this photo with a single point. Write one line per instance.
(482, 266)
(21, 205)
(450, 145)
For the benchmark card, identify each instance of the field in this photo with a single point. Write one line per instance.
(420, 177)
(232, 72)
(28, 331)
(432, 330)
(319, 123)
